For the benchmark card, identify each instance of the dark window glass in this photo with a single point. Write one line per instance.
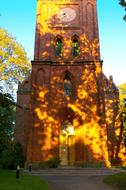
(58, 47)
(75, 45)
(67, 86)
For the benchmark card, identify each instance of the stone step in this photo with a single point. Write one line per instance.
(76, 171)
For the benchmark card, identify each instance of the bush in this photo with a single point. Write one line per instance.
(12, 156)
(93, 164)
(6, 159)
(36, 165)
(116, 162)
(53, 162)
(18, 156)
(43, 165)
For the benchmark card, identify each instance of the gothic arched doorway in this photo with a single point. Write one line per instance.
(67, 144)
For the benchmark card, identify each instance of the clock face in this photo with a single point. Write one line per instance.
(67, 14)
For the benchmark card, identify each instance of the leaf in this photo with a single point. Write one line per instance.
(14, 63)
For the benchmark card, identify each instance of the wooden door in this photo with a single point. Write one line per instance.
(71, 150)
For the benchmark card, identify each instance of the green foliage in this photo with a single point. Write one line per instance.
(43, 165)
(17, 154)
(58, 47)
(7, 115)
(116, 162)
(4, 141)
(7, 112)
(53, 162)
(117, 181)
(12, 156)
(6, 159)
(8, 181)
(14, 63)
(123, 4)
(10, 153)
(36, 165)
(122, 92)
(75, 47)
(92, 164)
(14, 67)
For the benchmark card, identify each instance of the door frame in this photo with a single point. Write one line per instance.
(66, 131)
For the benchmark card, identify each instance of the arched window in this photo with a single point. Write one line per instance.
(75, 46)
(58, 47)
(67, 85)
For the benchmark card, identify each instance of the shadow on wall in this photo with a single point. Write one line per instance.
(68, 84)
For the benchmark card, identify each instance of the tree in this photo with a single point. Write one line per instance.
(123, 4)
(122, 91)
(12, 156)
(14, 67)
(14, 63)
(11, 153)
(7, 116)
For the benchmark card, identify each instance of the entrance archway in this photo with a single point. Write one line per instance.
(67, 144)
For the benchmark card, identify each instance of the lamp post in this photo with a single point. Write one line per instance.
(18, 172)
(30, 167)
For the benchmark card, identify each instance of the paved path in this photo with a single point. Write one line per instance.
(76, 178)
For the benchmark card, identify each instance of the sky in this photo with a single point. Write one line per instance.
(18, 17)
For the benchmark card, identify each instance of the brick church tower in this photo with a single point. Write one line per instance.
(67, 107)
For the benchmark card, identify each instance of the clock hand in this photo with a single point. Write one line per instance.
(64, 15)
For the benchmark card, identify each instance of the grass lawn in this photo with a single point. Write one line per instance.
(117, 180)
(8, 181)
